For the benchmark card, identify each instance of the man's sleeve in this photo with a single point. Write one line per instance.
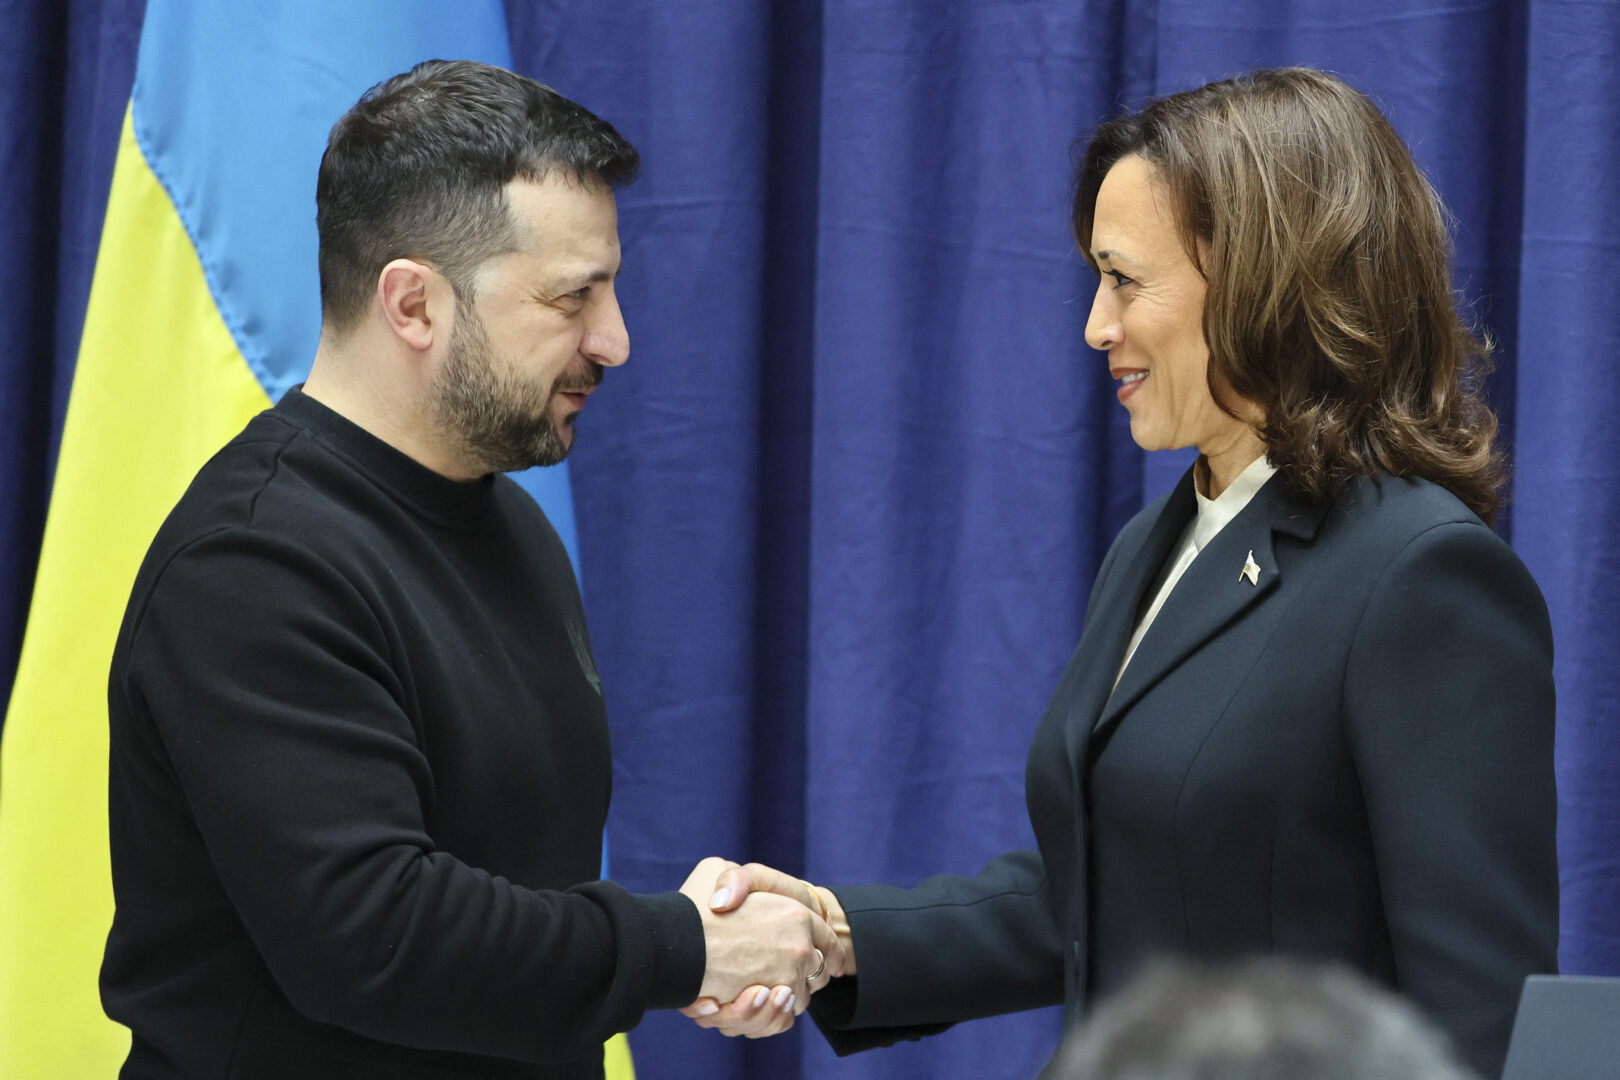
(267, 679)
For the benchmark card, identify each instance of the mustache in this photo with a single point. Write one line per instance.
(575, 382)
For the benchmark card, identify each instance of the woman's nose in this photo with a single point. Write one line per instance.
(1103, 330)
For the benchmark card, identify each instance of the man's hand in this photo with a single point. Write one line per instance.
(758, 1010)
(764, 939)
(735, 883)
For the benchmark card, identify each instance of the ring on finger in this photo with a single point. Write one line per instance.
(821, 966)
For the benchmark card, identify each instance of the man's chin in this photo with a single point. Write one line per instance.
(554, 449)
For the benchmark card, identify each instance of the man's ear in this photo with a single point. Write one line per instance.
(409, 295)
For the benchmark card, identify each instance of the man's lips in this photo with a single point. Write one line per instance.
(580, 384)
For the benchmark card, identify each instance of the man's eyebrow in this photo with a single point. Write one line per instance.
(574, 281)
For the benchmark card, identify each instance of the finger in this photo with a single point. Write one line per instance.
(751, 1014)
(731, 888)
(779, 1012)
(734, 885)
(769, 879)
(822, 937)
(700, 1008)
(732, 1018)
(777, 1018)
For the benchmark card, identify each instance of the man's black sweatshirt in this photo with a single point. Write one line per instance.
(359, 773)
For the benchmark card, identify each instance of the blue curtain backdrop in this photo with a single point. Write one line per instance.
(840, 513)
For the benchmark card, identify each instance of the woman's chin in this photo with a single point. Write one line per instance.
(1147, 438)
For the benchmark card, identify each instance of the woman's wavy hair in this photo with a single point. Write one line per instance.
(1327, 258)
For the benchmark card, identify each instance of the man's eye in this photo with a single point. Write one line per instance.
(1120, 280)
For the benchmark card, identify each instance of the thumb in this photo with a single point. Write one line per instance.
(731, 888)
(832, 953)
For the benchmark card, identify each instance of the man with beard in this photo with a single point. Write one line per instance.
(360, 760)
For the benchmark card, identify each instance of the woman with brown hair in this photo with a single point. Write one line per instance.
(1311, 711)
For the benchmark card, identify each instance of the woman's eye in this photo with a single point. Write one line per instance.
(1120, 280)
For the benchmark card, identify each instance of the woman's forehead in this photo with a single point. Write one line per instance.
(1132, 218)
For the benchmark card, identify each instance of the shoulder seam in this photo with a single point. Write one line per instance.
(275, 471)
(157, 578)
(1366, 601)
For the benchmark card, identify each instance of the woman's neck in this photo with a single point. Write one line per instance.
(1218, 467)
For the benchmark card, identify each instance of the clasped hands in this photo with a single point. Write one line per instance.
(771, 939)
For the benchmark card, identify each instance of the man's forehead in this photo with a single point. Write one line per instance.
(559, 193)
(566, 223)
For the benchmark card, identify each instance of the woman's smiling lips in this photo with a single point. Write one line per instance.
(1131, 379)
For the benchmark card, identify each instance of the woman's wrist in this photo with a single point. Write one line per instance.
(833, 912)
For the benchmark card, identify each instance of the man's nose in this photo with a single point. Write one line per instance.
(607, 342)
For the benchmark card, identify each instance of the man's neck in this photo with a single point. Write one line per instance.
(350, 386)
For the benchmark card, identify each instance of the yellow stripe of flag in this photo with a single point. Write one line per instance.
(158, 388)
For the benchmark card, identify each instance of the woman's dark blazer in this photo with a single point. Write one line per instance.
(1349, 758)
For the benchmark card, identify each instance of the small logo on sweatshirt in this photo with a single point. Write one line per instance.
(582, 653)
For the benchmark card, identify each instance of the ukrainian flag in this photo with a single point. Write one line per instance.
(204, 309)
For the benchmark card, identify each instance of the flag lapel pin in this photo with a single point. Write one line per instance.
(1251, 570)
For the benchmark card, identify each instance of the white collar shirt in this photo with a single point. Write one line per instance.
(1213, 515)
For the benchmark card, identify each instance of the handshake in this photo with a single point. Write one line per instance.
(771, 940)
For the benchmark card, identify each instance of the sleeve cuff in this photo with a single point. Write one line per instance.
(678, 954)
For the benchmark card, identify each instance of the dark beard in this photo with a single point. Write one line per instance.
(503, 426)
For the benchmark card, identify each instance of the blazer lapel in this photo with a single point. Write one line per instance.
(1237, 570)
(1113, 616)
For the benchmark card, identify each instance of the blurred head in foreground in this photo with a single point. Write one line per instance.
(1265, 1019)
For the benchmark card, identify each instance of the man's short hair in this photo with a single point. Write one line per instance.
(1264, 1019)
(418, 169)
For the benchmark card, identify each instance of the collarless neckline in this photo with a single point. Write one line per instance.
(429, 491)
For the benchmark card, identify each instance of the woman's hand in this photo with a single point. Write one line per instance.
(760, 1011)
(756, 1013)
